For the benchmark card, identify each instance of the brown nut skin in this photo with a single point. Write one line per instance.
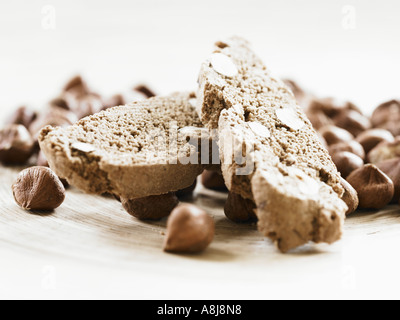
(187, 192)
(347, 162)
(319, 119)
(375, 189)
(350, 197)
(349, 146)
(238, 209)
(386, 112)
(371, 138)
(114, 101)
(334, 134)
(392, 126)
(16, 145)
(331, 107)
(38, 188)
(302, 96)
(189, 230)
(85, 105)
(391, 168)
(152, 207)
(23, 116)
(76, 86)
(149, 93)
(384, 151)
(352, 121)
(53, 116)
(213, 180)
(59, 102)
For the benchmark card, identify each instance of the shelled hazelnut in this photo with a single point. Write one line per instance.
(38, 188)
(23, 116)
(349, 146)
(384, 151)
(238, 209)
(334, 134)
(16, 145)
(371, 138)
(189, 230)
(375, 189)
(352, 121)
(151, 207)
(350, 197)
(391, 167)
(347, 162)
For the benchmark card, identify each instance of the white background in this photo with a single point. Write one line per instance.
(116, 44)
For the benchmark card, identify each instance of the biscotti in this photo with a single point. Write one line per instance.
(269, 151)
(132, 151)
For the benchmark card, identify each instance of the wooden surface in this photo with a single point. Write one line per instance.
(90, 248)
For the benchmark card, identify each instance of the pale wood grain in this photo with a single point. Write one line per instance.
(91, 235)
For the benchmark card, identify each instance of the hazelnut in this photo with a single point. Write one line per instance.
(347, 162)
(151, 207)
(53, 116)
(297, 91)
(238, 209)
(114, 101)
(77, 87)
(16, 145)
(38, 188)
(350, 196)
(145, 90)
(333, 134)
(319, 119)
(90, 104)
(375, 189)
(391, 167)
(59, 103)
(189, 230)
(187, 192)
(23, 116)
(84, 106)
(322, 140)
(300, 94)
(349, 146)
(330, 106)
(213, 180)
(371, 138)
(384, 151)
(393, 127)
(352, 121)
(386, 112)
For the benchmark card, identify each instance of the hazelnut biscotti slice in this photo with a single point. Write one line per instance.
(269, 151)
(132, 151)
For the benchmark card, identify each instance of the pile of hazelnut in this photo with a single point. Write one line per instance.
(365, 149)
(19, 145)
(37, 188)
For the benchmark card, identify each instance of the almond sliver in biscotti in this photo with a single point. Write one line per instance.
(269, 151)
(131, 151)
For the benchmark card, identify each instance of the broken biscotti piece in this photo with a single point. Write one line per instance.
(132, 151)
(269, 151)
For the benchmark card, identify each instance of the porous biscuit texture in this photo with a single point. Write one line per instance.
(269, 151)
(131, 151)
